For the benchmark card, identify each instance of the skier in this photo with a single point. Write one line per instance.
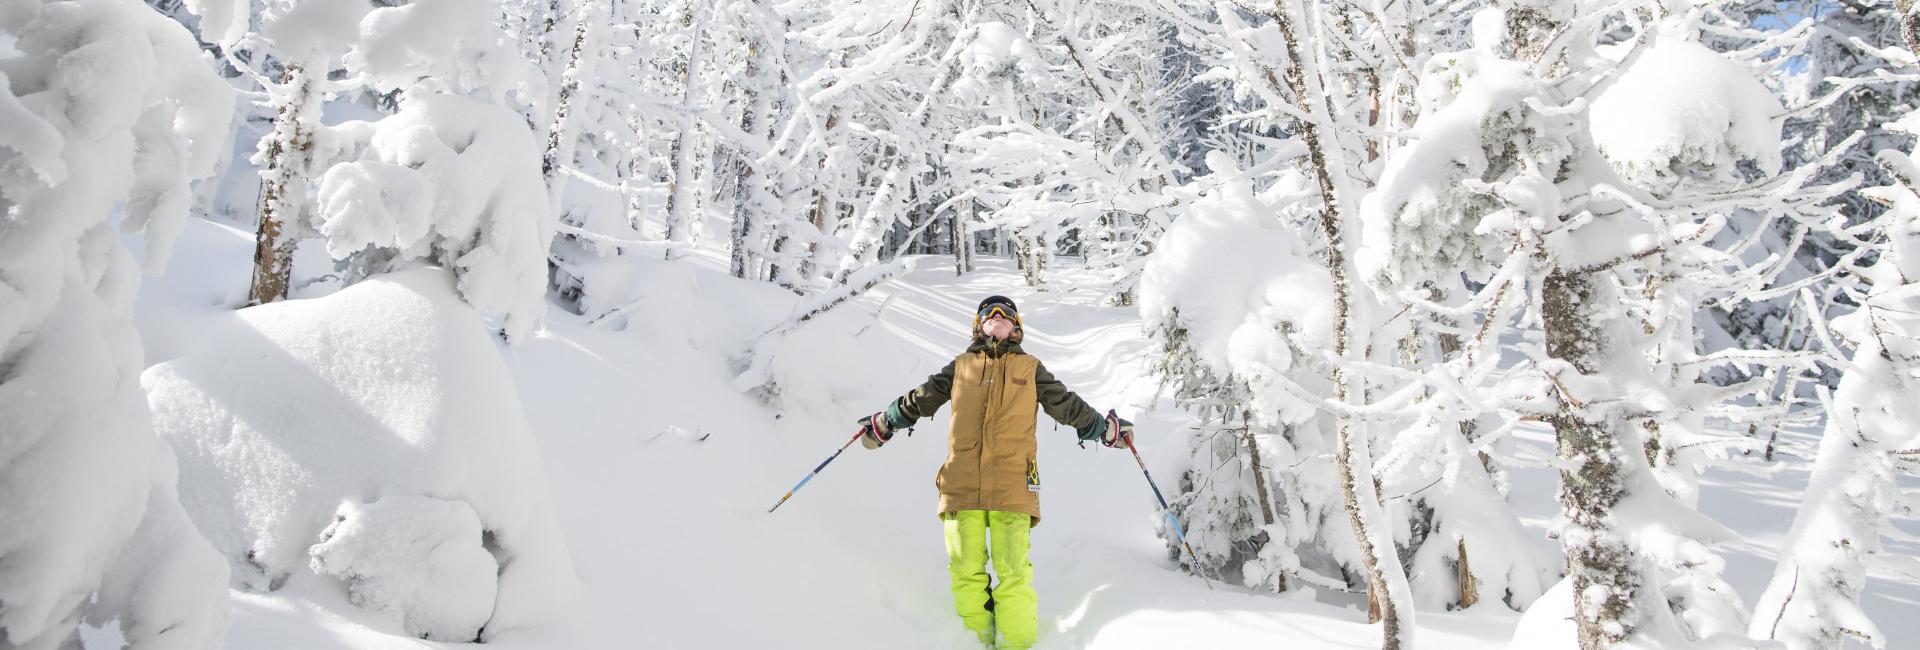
(990, 483)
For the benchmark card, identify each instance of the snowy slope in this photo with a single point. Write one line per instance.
(660, 476)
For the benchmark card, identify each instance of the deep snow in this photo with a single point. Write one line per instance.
(660, 475)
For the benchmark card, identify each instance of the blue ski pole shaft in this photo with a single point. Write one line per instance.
(1171, 520)
(815, 472)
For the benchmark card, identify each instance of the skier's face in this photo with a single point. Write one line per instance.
(997, 327)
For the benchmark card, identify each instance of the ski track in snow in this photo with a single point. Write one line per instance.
(675, 549)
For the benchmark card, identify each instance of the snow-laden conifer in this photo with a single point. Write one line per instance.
(110, 110)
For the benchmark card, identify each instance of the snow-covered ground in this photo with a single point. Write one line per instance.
(660, 475)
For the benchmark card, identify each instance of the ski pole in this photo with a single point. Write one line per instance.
(1177, 533)
(815, 472)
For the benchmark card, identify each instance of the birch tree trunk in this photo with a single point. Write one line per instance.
(1352, 458)
(283, 185)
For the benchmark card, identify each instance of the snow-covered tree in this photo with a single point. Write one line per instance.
(1240, 309)
(1814, 598)
(110, 111)
(291, 56)
(681, 209)
(1590, 167)
(452, 179)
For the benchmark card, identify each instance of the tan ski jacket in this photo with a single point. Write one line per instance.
(996, 390)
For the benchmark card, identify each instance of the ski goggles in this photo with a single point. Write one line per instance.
(1002, 310)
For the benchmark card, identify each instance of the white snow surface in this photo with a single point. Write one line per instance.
(661, 473)
(391, 389)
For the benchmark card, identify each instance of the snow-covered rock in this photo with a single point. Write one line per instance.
(386, 392)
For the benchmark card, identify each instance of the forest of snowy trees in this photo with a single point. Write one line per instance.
(1369, 241)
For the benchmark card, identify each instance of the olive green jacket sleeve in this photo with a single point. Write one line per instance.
(929, 396)
(1063, 405)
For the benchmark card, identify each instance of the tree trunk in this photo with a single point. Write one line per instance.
(560, 139)
(1450, 347)
(744, 202)
(1593, 465)
(283, 186)
(1909, 17)
(1591, 476)
(1469, 587)
(1777, 386)
(1352, 458)
(680, 189)
(962, 240)
(871, 228)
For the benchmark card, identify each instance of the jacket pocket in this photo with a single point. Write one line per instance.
(959, 477)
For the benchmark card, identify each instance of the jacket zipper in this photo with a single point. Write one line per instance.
(986, 419)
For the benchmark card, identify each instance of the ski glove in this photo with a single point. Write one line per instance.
(1111, 431)
(1119, 432)
(878, 428)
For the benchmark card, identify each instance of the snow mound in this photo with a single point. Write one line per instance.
(1681, 114)
(389, 389)
(418, 556)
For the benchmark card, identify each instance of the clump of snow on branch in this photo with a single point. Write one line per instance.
(1448, 201)
(448, 46)
(1682, 115)
(106, 109)
(995, 56)
(1241, 285)
(454, 178)
(451, 181)
(312, 32)
(405, 396)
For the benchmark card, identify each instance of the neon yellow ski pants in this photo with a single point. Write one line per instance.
(1016, 609)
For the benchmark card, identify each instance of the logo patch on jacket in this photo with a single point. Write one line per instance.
(1033, 475)
(1019, 381)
